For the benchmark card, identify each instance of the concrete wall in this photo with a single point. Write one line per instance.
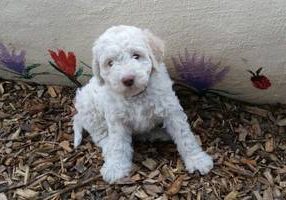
(242, 34)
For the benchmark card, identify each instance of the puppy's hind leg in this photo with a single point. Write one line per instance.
(77, 128)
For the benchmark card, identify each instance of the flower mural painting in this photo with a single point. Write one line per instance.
(259, 81)
(199, 73)
(66, 64)
(16, 63)
(12, 61)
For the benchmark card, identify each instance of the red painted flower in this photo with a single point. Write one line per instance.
(259, 81)
(65, 62)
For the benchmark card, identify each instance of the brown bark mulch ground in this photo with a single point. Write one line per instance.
(37, 159)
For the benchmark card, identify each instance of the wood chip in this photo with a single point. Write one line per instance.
(2, 91)
(128, 189)
(268, 176)
(238, 170)
(40, 93)
(150, 163)
(3, 196)
(248, 161)
(152, 189)
(36, 108)
(27, 193)
(167, 172)
(141, 194)
(154, 174)
(276, 193)
(179, 166)
(52, 91)
(242, 133)
(282, 122)
(66, 146)
(255, 110)
(2, 168)
(198, 139)
(250, 151)
(176, 186)
(267, 194)
(163, 197)
(269, 144)
(16, 134)
(3, 115)
(136, 177)
(257, 195)
(282, 184)
(256, 128)
(233, 195)
(80, 168)
(281, 170)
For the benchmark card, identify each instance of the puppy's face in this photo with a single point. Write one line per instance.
(124, 60)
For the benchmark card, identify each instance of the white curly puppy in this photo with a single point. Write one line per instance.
(131, 93)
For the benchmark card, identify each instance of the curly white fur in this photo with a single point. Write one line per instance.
(112, 111)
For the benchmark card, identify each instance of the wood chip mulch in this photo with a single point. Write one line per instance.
(37, 159)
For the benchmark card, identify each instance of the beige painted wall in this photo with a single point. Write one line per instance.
(226, 30)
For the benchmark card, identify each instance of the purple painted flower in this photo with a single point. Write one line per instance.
(12, 61)
(198, 72)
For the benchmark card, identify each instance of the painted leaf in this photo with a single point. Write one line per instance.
(33, 66)
(79, 72)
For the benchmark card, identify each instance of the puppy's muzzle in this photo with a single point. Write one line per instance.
(128, 81)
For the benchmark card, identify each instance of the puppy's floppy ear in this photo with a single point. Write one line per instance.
(156, 45)
(95, 67)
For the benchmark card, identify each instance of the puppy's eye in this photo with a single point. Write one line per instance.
(110, 63)
(136, 56)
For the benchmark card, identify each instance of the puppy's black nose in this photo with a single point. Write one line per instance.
(128, 81)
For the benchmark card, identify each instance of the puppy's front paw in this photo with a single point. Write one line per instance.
(201, 161)
(113, 171)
